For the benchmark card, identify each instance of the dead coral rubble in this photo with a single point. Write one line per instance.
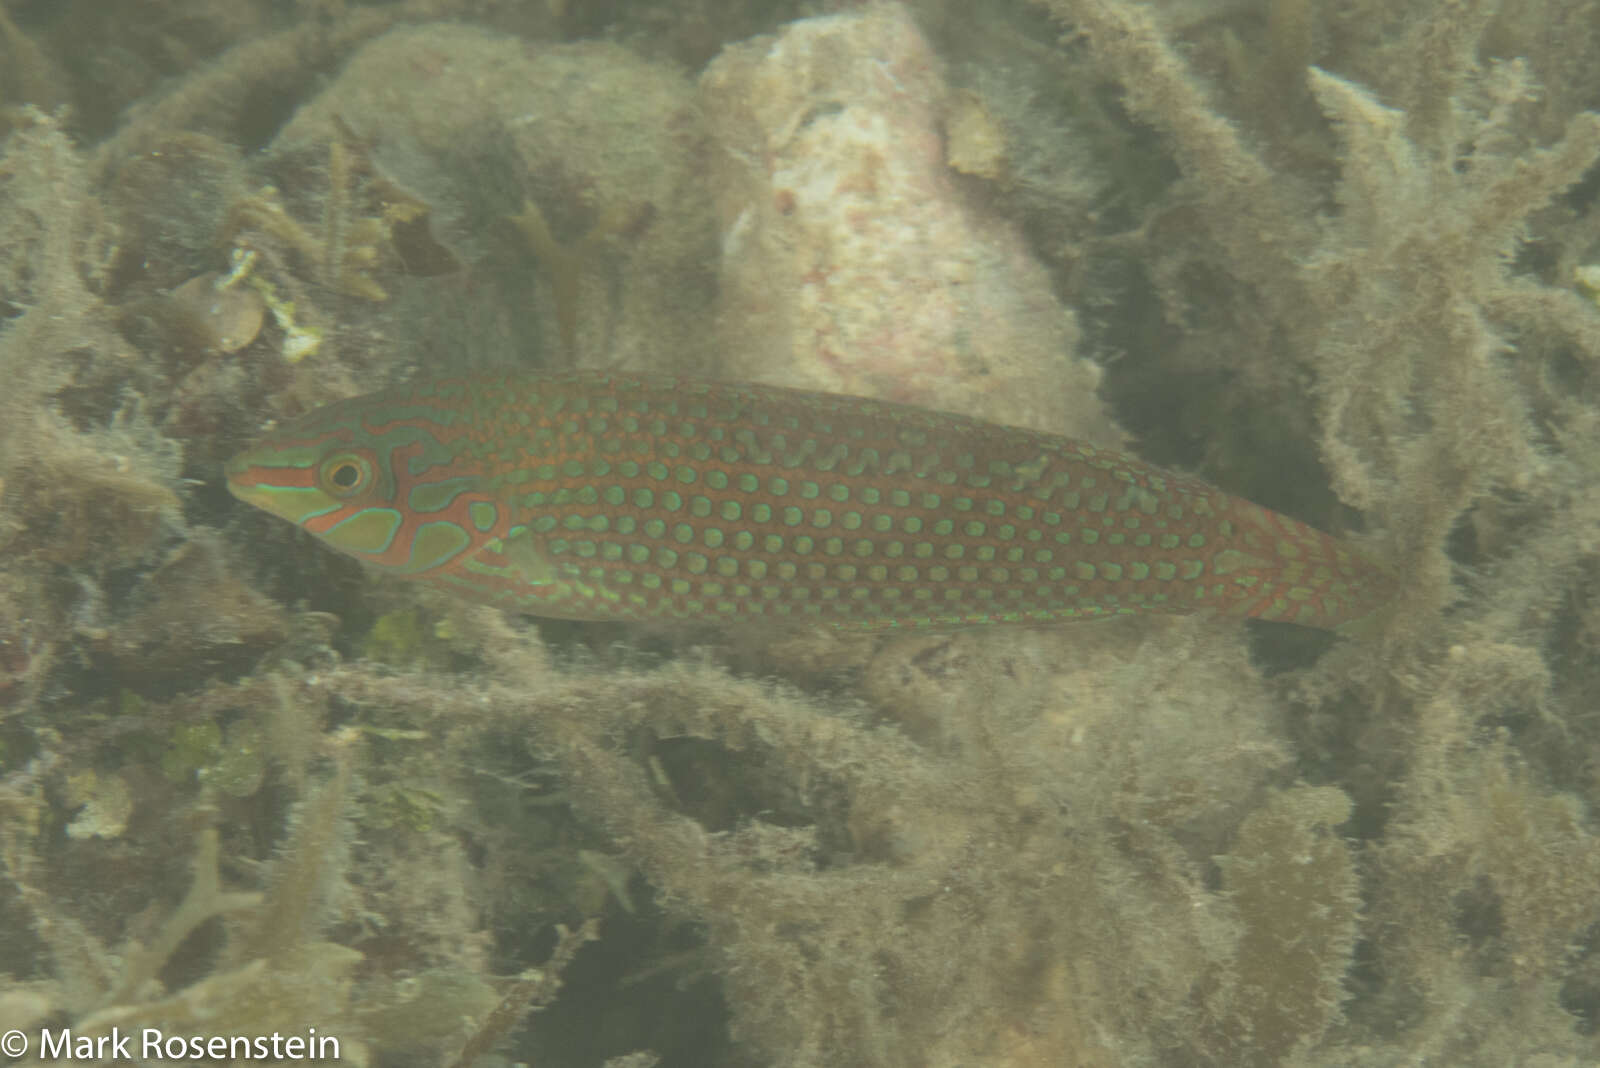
(239, 786)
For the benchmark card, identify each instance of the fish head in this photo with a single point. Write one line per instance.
(381, 485)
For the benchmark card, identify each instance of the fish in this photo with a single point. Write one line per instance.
(591, 495)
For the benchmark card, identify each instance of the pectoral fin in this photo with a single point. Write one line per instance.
(521, 550)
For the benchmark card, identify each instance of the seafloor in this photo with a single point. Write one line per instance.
(1339, 259)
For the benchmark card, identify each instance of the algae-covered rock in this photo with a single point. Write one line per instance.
(589, 138)
(853, 259)
(1293, 882)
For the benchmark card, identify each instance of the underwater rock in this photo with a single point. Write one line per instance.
(854, 258)
(192, 608)
(603, 148)
(227, 317)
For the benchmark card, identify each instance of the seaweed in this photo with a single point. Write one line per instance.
(242, 788)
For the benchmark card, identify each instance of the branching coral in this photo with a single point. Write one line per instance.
(1107, 846)
(1008, 889)
(1417, 271)
(1400, 304)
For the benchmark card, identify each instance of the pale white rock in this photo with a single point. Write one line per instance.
(854, 258)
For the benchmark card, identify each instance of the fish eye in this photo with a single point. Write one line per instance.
(345, 474)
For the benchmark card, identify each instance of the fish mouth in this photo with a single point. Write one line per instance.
(236, 473)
